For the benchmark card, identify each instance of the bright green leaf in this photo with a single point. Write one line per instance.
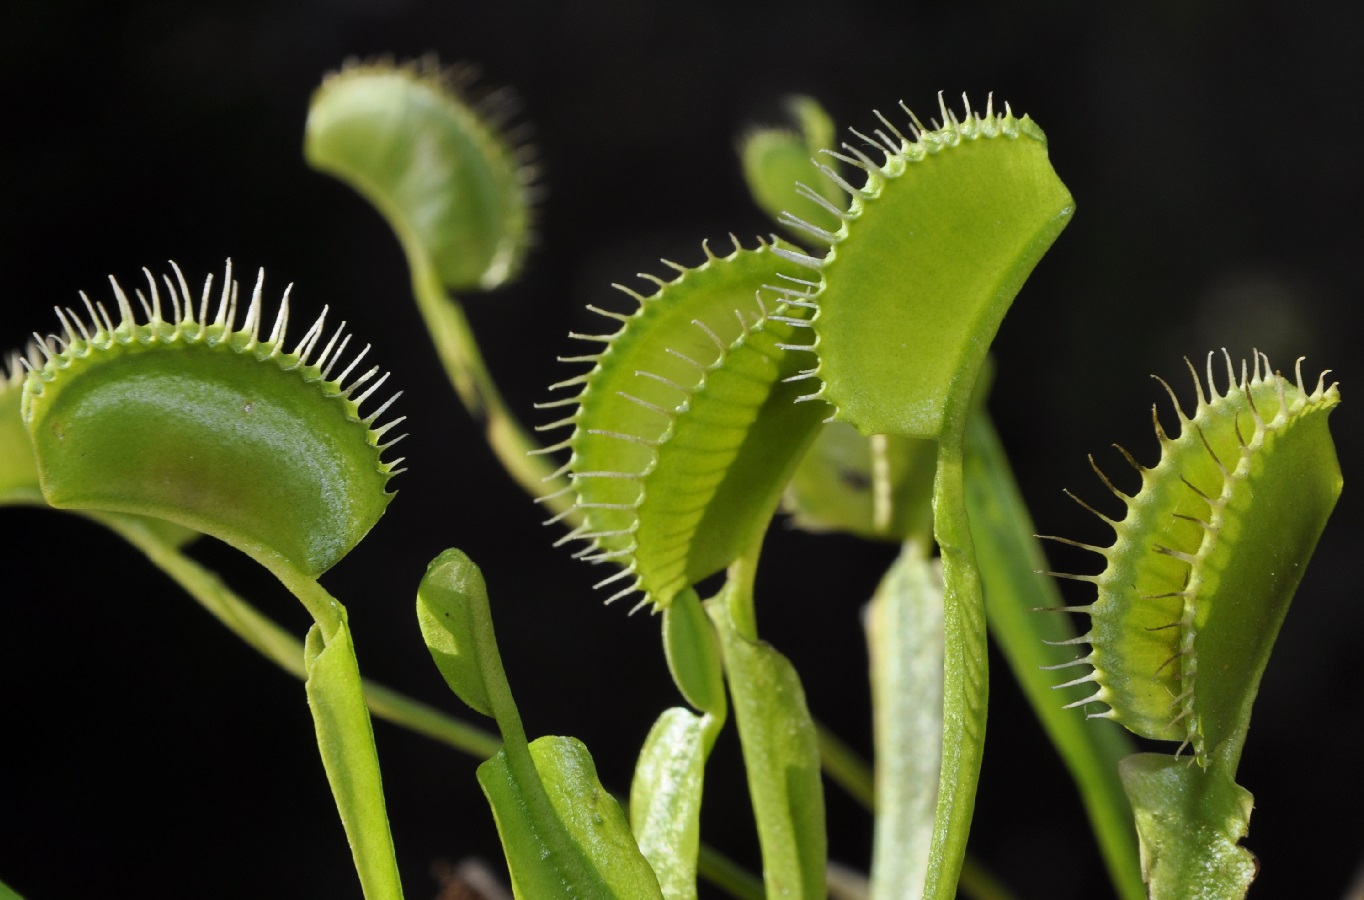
(452, 609)
(578, 842)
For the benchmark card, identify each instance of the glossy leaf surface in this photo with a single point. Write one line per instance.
(1191, 822)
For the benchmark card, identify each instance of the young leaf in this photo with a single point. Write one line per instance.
(452, 187)
(693, 653)
(452, 609)
(561, 831)
(197, 420)
(578, 844)
(779, 165)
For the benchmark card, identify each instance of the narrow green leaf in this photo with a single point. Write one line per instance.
(1010, 558)
(693, 653)
(665, 798)
(345, 738)
(781, 757)
(8, 893)
(1190, 821)
(579, 843)
(905, 638)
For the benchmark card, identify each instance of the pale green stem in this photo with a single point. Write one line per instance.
(459, 354)
(977, 883)
(728, 875)
(845, 768)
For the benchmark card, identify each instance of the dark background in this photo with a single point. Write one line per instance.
(1212, 148)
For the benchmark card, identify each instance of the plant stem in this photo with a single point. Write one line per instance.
(459, 354)
(728, 875)
(845, 768)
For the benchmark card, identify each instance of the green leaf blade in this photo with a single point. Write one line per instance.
(452, 610)
(781, 756)
(576, 844)
(692, 649)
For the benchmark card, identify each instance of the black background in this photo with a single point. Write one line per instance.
(1213, 150)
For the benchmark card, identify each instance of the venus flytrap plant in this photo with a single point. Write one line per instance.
(839, 372)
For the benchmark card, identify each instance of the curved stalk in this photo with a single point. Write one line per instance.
(459, 353)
